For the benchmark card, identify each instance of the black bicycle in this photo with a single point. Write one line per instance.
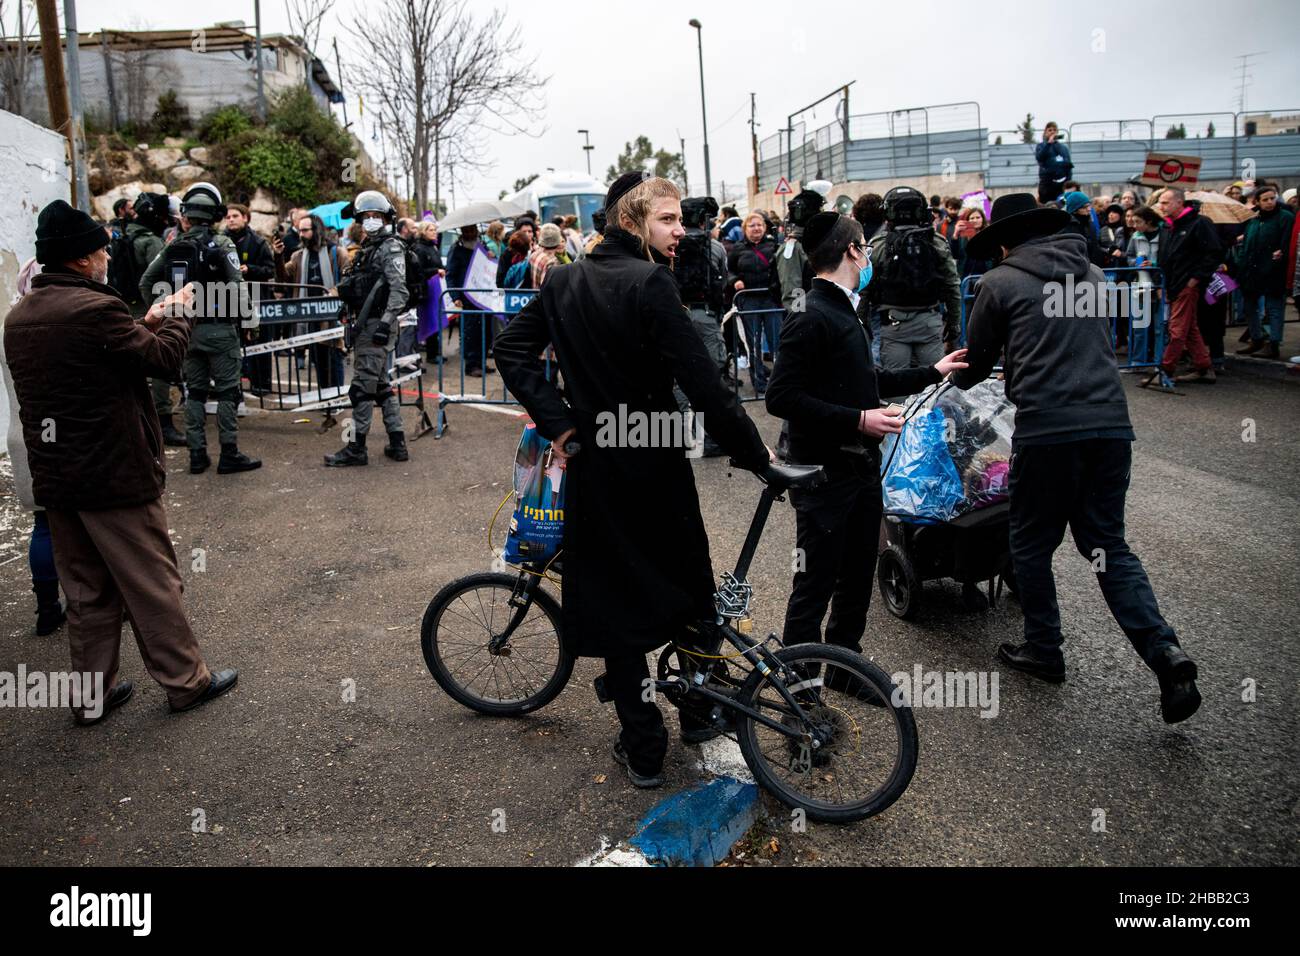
(821, 728)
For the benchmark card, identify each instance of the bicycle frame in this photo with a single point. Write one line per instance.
(521, 599)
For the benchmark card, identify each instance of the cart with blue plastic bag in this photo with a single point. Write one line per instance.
(944, 482)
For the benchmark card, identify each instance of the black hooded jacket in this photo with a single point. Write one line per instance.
(1045, 305)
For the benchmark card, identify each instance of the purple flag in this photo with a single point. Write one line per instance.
(432, 312)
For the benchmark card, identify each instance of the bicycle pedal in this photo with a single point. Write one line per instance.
(602, 691)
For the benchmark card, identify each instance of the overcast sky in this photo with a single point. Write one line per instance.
(622, 68)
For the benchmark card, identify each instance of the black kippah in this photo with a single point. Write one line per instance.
(818, 228)
(623, 185)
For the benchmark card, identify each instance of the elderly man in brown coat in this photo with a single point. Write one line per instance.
(79, 363)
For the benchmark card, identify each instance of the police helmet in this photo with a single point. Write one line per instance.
(153, 210)
(202, 203)
(369, 201)
(906, 206)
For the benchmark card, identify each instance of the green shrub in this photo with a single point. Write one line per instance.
(264, 158)
(171, 117)
(296, 115)
(226, 123)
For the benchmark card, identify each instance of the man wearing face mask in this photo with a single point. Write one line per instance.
(375, 293)
(828, 390)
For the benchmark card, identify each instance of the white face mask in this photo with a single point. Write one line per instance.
(372, 225)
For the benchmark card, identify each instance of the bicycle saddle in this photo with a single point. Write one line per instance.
(781, 476)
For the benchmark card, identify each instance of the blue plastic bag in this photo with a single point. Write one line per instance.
(921, 480)
(537, 525)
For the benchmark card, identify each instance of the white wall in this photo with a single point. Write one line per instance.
(34, 171)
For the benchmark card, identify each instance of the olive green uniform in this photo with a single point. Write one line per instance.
(212, 364)
(145, 247)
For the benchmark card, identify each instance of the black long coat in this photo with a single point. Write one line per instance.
(636, 556)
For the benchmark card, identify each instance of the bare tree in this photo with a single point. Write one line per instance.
(17, 54)
(440, 79)
(306, 18)
(134, 61)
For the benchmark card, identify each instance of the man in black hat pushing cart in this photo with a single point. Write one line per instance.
(1072, 450)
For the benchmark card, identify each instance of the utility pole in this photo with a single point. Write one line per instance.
(753, 136)
(56, 88)
(257, 52)
(588, 148)
(77, 132)
(704, 114)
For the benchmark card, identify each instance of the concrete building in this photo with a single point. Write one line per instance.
(123, 72)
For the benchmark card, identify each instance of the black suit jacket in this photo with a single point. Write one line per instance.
(824, 377)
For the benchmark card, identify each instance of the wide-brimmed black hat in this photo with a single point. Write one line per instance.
(1015, 218)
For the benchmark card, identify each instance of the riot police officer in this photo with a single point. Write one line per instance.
(375, 293)
(212, 364)
(144, 235)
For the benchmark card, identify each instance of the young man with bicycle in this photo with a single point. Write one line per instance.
(637, 571)
(828, 390)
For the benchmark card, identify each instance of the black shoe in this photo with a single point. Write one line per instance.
(233, 460)
(116, 697)
(396, 447)
(353, 453)
(50, 614)
(712, 449)
(641, 781)
(1023, 658)
(171, 437)
(1176, 672)
(700, 734)
(221, 682)
(199, 461)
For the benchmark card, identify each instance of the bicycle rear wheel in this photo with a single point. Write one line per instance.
(528, 671)
(868, 743)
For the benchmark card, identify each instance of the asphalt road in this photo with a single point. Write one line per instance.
(315, 577)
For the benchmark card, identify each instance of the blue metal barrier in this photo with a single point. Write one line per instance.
(491, 321)
(1138, 310)
(740, 338)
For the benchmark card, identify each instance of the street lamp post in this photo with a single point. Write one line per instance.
(708, 174)
(588, 148)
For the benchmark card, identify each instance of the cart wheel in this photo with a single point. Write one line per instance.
(899, 586)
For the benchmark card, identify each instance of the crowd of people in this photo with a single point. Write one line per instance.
(831, 315)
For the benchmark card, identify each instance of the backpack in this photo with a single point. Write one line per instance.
(193, 259)
(123, 273)
(694, 271)
(909, 275)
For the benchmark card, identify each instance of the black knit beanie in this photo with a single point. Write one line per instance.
(64, 233)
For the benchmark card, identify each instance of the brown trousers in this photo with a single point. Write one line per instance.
(120, 562)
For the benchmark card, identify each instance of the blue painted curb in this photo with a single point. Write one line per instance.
(697, 827)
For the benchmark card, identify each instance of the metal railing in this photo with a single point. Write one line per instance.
(1138, 311)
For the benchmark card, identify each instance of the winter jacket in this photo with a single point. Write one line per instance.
(79, 363)
(1054, 163)
(1059, 366)
(755, 265)
(1191, 250)
(255, 253)
(1253, 264)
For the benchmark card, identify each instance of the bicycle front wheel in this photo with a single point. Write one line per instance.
(521, 674)
(856, 746)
